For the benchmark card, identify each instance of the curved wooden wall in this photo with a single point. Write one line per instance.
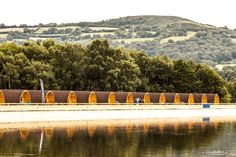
(65, 97)
(143, 96)
(124, 97)
(173, 98)
(187, 98)
(106, 97)
(213, 98)
(200, 98)
(158, 98)
(86, 97)
(17, 96)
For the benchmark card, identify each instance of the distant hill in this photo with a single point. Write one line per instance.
(177, 37)
(160, 21)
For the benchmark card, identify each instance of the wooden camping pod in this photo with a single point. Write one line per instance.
(172, 98)
(86, 97)
(187, 98)
(36, 96)
(16, 96)
(125, 97)
(200, 98)
(158, 98)
(106, 97)
(69, 97)
(143, 96)
(213, 98)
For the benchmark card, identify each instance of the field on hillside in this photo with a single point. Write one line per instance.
(11, 29)
(40, 30)
(134, 40)
(3, 35)
(234, 40)
(98, 33)
(178, 38)
(102, 28)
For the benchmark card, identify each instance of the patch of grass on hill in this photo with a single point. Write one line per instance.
(3, 35)
(11, 29)
(234, 40)
(102, 28)
(99, 33)
(134, 40)
(40, 30)
(178, 38)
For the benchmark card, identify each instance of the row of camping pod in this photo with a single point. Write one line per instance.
(98, 97)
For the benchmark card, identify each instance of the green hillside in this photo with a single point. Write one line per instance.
(176, 37)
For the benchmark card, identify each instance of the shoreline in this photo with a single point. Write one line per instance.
(13, 114)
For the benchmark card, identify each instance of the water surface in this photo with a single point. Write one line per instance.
(128, 139)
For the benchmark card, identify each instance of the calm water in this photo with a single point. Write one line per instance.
(130, 140)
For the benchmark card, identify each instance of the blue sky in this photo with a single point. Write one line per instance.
(215, 12)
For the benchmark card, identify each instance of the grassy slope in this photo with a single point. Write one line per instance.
(234, 40)
(134, 40)
(179, 38)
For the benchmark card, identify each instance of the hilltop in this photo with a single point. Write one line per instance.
(157, 21)
(177, 37)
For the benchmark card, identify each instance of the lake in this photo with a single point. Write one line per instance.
(120, 138)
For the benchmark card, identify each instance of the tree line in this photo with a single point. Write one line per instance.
(98, 66)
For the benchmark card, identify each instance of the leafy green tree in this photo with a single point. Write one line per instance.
(161, 75)
(211, 82)
(232, 90)
(67, 62)
(184, 76)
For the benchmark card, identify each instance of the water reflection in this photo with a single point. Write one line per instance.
(155, 138)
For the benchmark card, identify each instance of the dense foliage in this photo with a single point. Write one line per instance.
(98, 66)
(208, 44)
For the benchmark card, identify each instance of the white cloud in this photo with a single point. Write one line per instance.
(216, 12)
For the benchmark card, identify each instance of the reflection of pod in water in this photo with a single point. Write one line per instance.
(48, 132)
(111, 129)
(145, 128)
(24, 133)
(91, 129)
(161, 127)
(129, 128)
(176, 126)
(216, 125)
(1, 133)
(203, 125)
(70, 132)
(190, 126)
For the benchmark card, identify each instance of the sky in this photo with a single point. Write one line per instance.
(214, 12)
